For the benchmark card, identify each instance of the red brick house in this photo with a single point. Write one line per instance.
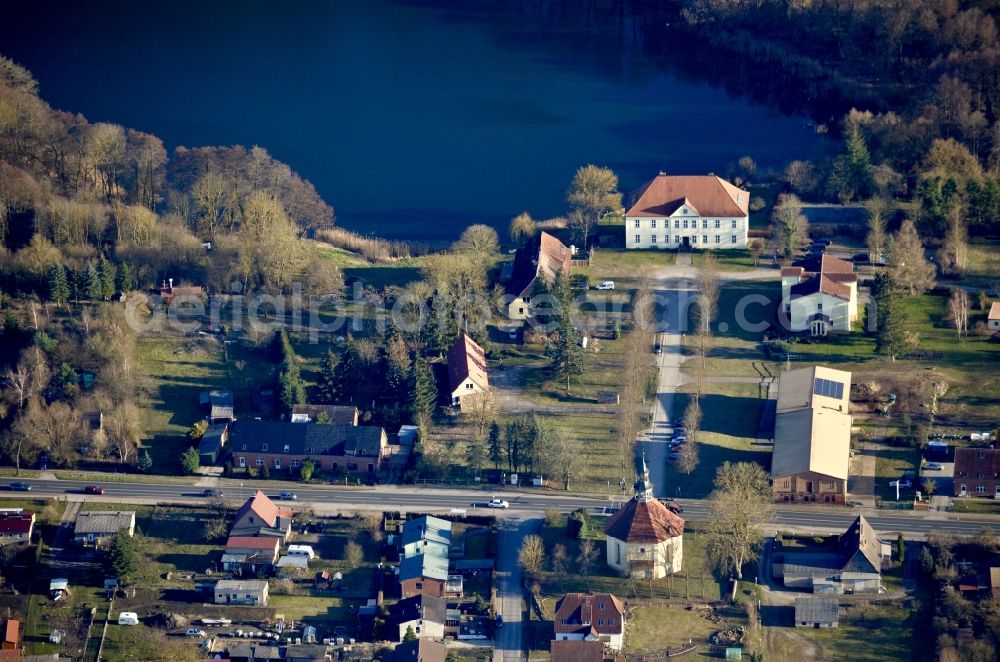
(977, 472)
(284, 446)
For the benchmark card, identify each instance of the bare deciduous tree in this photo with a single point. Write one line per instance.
(958, 311)
(739, 506)
(531, 556)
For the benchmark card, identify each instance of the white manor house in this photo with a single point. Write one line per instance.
(687, 211)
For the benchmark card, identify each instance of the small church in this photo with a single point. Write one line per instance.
(645, 540)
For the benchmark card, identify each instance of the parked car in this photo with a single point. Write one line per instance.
(933, 466)
(861, 257)
(823, 240)
(194, 632)
(288, 496)
(512, 334)
(20, 487)
(497, 503)
(903, 482)
(817, 248)
(499, 621)
(93, 489)
(606, 285)
(217, 494)
(657, 348)
(676, 443)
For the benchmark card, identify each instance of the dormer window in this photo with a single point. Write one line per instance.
(244, 447)
(263, 448)
(286, 448)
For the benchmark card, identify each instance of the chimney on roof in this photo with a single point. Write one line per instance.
(171, 283)
(663, 174)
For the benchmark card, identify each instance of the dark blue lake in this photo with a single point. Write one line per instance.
(412, 119)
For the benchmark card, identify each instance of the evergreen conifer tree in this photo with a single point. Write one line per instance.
(58, 284)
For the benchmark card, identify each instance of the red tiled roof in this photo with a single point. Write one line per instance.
(261, 506)
(11, 631)
(16, 522)
(841, 277)
(467, 360)
(250, 542)
(577, 651)
(822, 283)
(792, 271)
(544, 256)
(708, 195)
(835, 264)
(577, 612)
(644, 520)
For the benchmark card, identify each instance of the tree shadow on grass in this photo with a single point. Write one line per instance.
(777, 616)
(732, 415)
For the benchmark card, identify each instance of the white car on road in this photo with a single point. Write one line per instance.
(606, 285)
(497, 503)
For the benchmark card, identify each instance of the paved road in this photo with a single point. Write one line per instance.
(508, 641)
(408, 498)
(673, 324)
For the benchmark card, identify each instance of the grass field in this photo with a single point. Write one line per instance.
(890, 632)
(653, 629)
(728, 260)
(730, 415)
(974, 505)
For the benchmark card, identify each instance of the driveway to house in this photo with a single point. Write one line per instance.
(671, 326)
(508, 641)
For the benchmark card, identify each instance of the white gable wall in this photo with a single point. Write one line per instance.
(465, 389)
(800, 309)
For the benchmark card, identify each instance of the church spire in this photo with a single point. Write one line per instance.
(644, 486)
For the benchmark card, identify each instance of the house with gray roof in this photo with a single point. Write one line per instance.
(854, 567)
(282, 445)
(426, 533)
(99, 527)
(816, 613)
(425, 614)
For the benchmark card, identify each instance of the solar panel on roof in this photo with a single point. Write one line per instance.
(829, 388)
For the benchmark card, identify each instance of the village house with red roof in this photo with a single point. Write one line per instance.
(16, 525)
(819, 294)
(590, 617)
(542, 258)
(645, 540)
(687, 211)
(466, 370)
(260, 516)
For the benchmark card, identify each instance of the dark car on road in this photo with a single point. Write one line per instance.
(657, 348)
(93, 489)
(20, 487)
(499, 621)
(217, 494)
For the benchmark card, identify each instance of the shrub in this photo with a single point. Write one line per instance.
(578, 524)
